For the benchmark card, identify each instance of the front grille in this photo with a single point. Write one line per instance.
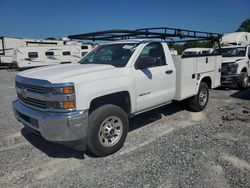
(32, 88)
(224, 69)
(33, 102)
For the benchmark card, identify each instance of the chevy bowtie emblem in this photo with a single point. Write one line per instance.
(24, 93)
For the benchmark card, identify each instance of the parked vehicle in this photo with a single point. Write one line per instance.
(195, 51)
(8, 44)
(26, 57)
(236, 56)
(89, 103)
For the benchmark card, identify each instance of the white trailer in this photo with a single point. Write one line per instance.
(30, 56)
(8, 44)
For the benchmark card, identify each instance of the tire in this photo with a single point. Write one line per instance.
(243, 82)
(107, 130)
(199, 101)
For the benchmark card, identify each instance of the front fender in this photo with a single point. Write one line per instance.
(86, 92)
(202, 77)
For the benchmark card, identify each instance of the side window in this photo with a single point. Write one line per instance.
(83, 53)
(32, 54)
(66, 53)
(49, 53)
(249, 52)
(84, 47)
(151, 56)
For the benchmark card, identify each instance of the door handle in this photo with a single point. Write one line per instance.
(169, 71)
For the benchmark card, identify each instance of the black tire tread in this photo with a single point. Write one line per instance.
(240, 83)
(93, 143)
(194, 101)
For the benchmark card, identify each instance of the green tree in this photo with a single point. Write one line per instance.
(245, 26)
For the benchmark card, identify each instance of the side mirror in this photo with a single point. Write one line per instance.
(146, 62)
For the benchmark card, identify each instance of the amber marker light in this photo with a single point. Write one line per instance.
(69, 104)
(68, 90)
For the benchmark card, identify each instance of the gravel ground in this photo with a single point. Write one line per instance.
(166, 147)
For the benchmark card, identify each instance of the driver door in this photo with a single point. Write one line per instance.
(155, 79)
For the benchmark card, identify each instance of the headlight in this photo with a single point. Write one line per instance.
(68, 105)
(64, 97)
(233, 68)
(63, 90)
(63, 105)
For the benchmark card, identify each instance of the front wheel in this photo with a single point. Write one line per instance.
(107, 130)
(199, 101)
(244, 80)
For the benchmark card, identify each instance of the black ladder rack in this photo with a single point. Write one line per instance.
(163, 33)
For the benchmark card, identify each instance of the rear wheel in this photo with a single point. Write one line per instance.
(107, 130)
(244, 80)
(199, 101)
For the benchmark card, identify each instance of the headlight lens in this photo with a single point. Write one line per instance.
(63, 105)
(66, 102)
(69, 105)
(68, 90)
(64, 90)
(233, 68)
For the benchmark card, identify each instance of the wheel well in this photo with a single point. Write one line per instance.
(208, 81)
(121, 99)
(244, 69)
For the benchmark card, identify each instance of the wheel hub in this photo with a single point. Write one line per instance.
(110, 131)
(203, 97)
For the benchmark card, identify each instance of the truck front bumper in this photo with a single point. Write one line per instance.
(56, 127)
(230, 79)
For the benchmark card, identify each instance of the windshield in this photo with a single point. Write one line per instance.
(112, 54)
(233, 52)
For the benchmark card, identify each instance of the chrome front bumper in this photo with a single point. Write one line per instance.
(57, 127)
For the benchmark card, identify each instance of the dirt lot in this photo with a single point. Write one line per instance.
(167, 147)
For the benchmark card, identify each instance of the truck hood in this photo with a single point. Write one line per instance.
(231, 59)
(70, 73)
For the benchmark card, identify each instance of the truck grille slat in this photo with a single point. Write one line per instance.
(33, 102)
(32, 88)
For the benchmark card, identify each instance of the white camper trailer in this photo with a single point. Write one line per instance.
(28, 56)
(8, 44)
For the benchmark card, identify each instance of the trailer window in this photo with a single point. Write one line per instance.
(66, 53)
(1, 47)
(49, 53)
(84, 47)
(32, 54)
(83, 53)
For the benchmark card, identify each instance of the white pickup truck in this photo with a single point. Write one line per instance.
(89, 103)
(235, 59)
